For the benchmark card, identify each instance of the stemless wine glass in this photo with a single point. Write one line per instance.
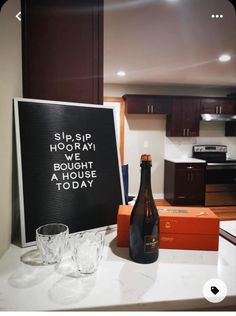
(51, 241)
(87, 249)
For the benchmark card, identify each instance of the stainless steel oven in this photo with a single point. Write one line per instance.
(220, 186)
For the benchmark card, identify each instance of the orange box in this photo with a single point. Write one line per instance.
(195, 228)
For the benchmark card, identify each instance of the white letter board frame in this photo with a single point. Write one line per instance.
(23, 178)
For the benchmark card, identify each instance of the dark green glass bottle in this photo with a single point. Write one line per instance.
(144, 219)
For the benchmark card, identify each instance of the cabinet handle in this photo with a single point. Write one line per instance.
(220, 109)
(150, 108)
(184, 131)
(189, 167)
(190, 176)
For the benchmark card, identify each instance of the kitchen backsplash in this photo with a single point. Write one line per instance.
(211, 133)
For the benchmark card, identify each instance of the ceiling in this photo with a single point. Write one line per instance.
(169, 42)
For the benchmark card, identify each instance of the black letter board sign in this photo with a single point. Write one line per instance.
(68, 165)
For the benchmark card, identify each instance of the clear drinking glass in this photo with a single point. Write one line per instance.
(87, 249)
(51, 240)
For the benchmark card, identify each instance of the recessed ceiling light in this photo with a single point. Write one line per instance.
(121, 73)
(224, 58)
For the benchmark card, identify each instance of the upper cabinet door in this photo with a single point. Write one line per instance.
(191, 116)
(62, 50)
(217, 106)
(184, 118)
(147, 104)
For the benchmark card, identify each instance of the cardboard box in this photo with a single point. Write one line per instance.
(195, 228)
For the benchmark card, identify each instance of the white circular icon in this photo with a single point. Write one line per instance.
(214, 290)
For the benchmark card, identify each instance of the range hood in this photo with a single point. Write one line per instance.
(218, 117)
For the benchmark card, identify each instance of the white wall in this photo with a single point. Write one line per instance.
(146, 134)
(10, 78)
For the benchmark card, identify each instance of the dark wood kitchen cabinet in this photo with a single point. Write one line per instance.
(62, 50)
(230, 128)
(147, 104)
(184, 118)
(184, 183)
(218, 106)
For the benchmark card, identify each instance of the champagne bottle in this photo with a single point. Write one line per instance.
(144, 219)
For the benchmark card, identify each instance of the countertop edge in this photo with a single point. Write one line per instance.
(185, 160)
(200, 304)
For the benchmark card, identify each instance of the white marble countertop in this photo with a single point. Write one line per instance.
(229, 227)
(185, 160)
(174, 282)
